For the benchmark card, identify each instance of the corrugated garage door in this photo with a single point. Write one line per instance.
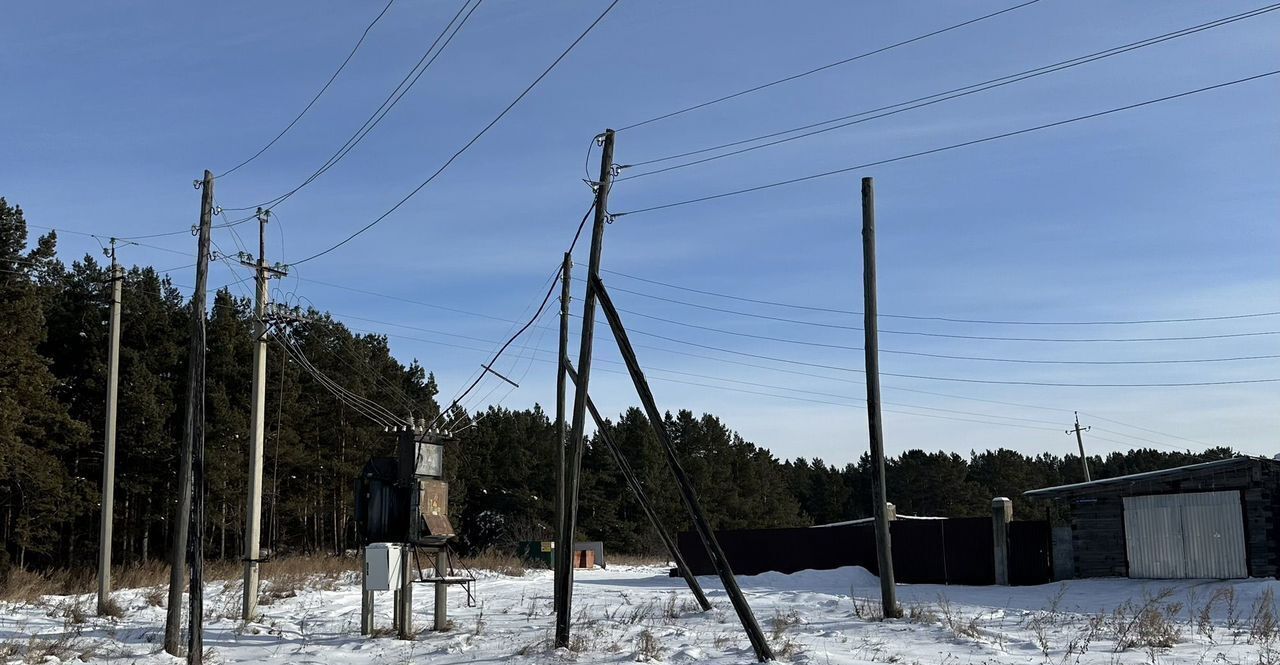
(1198, 535)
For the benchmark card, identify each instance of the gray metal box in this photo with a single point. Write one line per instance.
(382, 562)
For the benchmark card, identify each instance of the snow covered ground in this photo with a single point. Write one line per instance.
(627, 614)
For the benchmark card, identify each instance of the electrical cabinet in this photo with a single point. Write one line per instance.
(382, 563)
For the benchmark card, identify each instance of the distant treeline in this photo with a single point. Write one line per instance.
(53, 355)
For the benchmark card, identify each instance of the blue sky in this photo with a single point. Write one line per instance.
(1168, 211)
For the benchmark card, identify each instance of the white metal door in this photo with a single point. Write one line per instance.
(1197, 535)
(1153, 536)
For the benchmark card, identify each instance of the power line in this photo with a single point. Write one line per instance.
(882, 315)
(853, 400)
(952, 146)
(535, 349)
(100, 238)
(929, 100)
(977, 337)
(311, 103)
(367, 407)
(1031, 361)
(410, 301)
(1150, 431)
(536, 315)
(951, 379)
(824, 67)
(393, 98)
(473, 140)
(1138, 438)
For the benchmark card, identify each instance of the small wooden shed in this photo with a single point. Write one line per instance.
(1209, 520)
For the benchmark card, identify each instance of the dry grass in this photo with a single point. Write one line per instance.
(501, 562)
(639, 560)
(647, 647)
(27, 587)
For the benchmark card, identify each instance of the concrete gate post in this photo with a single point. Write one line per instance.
(1001, 515)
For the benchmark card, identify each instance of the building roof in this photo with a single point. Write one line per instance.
(1188, 471)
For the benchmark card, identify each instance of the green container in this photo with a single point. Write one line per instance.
(538, 553)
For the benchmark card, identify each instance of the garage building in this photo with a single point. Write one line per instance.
(1208, 520)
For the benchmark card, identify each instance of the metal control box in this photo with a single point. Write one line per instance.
(382, 565)
(429, 460)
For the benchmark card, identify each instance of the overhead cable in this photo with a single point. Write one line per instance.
(815, 70)
(928, 100)
(311, 103)
(952, 146)
(469, 143)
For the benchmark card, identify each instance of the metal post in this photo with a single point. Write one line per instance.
(884, 549)
(561, 436)
(109, 440)
(636, 488)
(366, 596)
(193, 430)
(564, 544)
(442, 590)
(687, 493)
(257, 419)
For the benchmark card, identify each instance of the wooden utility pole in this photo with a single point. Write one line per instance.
(1084, 461)
(564, 546)
(184, 541)
(884, 549)
(109, 440)
(566, 270)
(257, 418)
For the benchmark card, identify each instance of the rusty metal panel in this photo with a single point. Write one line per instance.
(1191, 535)
(434, 507)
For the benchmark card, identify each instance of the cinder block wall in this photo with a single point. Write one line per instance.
(1097, 520)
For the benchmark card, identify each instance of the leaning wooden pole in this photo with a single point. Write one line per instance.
(633, 482)
(875, 429)
(195, 412)
(700, 523)
(564, 546)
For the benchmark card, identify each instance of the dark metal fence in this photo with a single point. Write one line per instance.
(942, 551)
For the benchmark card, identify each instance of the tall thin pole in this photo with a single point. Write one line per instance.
(564, 546)
(1084, 461)
(884, 549)
(566, 284)
(257, 427)
(192, 442)
(109, 441)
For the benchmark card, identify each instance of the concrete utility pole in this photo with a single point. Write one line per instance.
(257, 419)
(109, 440)
(884, 549)
(192, 442)
(566, 270)
(1084, 461)
(563, 596)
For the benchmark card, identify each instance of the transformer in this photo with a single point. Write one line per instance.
(404, 499)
